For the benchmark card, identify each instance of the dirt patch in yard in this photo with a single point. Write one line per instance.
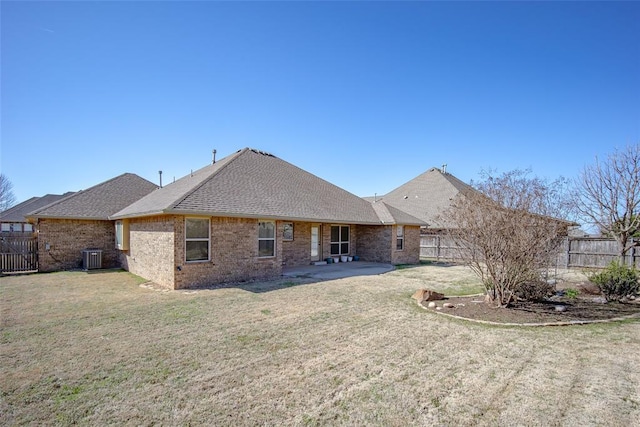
(458, 282)
(554, 311)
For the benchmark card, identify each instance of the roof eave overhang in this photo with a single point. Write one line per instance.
(261, 216)
(274, 217)
(72, 217)
(139, 215)
(410, 223)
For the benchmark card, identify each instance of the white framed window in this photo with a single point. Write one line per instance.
(339, 240)
(197, 239)
(266, 239)
(27, 228)
(122, 235)
(6, 227)
(399, 237)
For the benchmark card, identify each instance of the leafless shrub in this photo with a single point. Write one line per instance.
(503, 231)
(534, 291)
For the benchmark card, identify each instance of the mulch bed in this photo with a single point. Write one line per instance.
(577, 310)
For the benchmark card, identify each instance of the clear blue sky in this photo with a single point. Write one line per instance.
(366, 95)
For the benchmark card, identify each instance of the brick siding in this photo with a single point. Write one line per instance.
(374, 243)
(157, 249)
(297, 251)
(67, 238)
(411, 252)
(151, 253)
(233, 257)
(378, 244)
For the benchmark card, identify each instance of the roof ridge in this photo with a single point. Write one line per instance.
(232, 156)
(457, 182)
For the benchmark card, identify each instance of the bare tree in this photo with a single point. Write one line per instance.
(7, 198)
(504, 233)
(516, 189)
(608, 196)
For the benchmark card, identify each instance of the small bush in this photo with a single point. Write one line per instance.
(616, 282)
(571, 293)
(534, 291)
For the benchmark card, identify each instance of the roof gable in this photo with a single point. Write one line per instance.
(99, 201)
(254, 184)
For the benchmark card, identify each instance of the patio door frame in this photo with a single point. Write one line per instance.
(317, 245)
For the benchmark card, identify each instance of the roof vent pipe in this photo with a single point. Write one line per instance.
(160, 173)
(444, 168)
(214, 157)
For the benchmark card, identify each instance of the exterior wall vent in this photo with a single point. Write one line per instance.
(91, 259)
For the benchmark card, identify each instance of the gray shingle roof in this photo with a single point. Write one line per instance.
(99, 201)
(426, 196)
(254, 184)
(19, 212)
(390, 215)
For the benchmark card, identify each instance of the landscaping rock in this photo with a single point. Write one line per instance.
(423, 295)
(448, 305)
(432, 305)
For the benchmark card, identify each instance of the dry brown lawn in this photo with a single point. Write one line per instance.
(103, 348)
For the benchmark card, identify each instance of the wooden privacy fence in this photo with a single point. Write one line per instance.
(580, 252)
(439, 247)
(18, 253)
(596, 252)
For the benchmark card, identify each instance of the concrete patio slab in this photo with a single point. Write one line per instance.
(337, 271)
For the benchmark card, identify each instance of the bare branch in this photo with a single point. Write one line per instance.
(504, 232)
(608, 196)
(7, 198)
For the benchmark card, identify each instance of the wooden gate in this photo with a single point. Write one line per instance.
(18, 253)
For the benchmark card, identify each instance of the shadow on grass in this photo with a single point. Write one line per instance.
(429, 262)
(262, 286)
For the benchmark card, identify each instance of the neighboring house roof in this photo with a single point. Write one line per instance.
(429, 195)
(99, 201)
(19, 212)
(255, 184)
(426, 196)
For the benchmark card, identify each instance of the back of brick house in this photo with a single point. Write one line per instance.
(241, 218)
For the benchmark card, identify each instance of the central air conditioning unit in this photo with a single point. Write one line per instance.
(91, 259)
